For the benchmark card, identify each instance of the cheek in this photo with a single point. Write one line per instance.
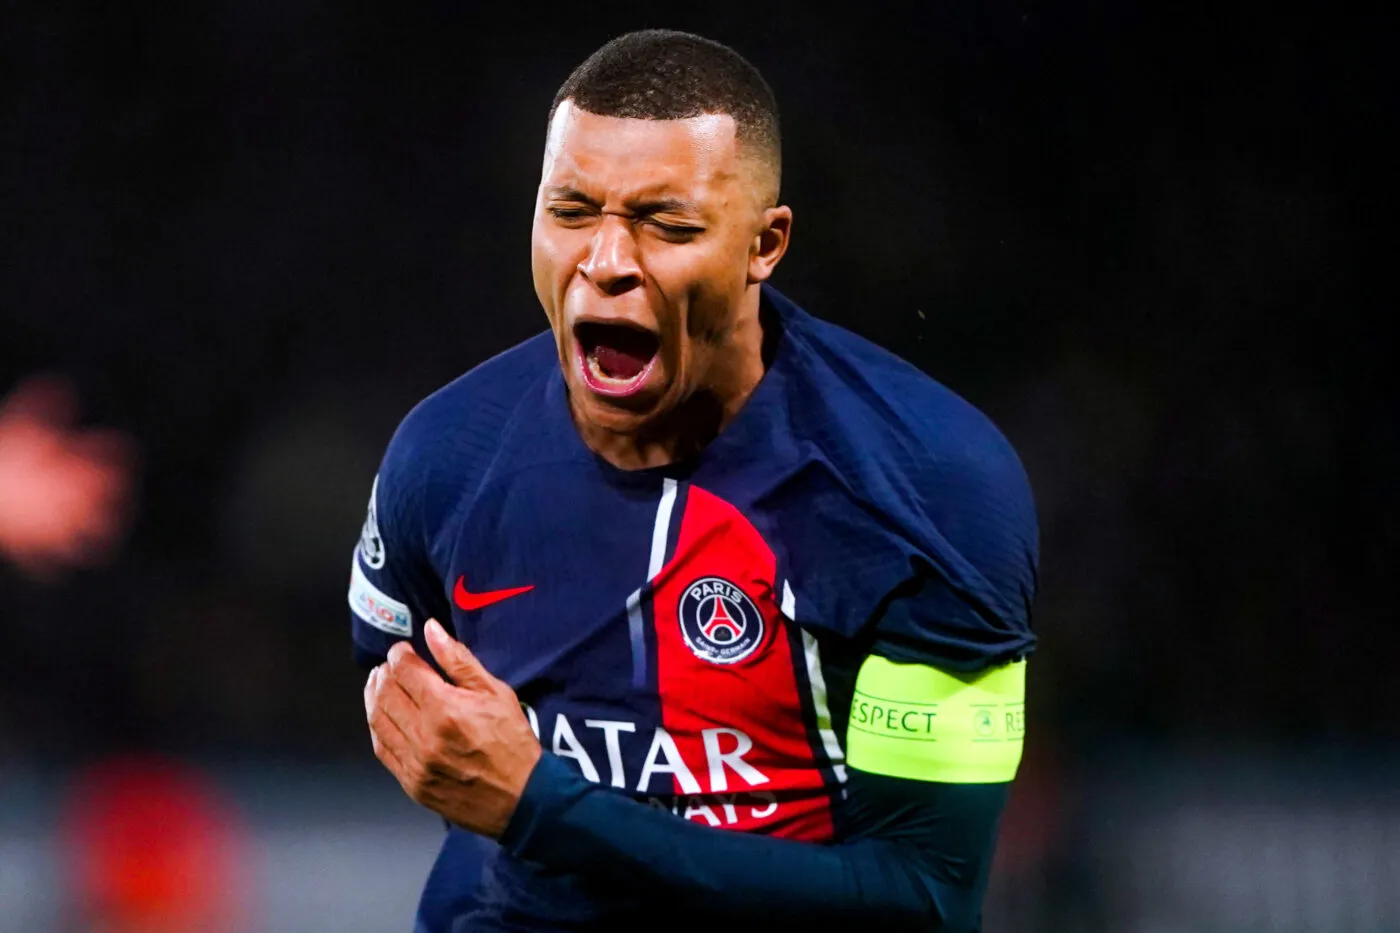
(709, 317)
(713, 298)
(703, 283)
(546, 265)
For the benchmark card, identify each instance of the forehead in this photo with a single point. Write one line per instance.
(624, 156)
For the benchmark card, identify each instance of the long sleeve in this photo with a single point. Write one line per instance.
(917, 856)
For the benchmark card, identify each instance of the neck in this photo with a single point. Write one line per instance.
(736, 367)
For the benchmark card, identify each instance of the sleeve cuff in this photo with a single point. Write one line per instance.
(552, 789)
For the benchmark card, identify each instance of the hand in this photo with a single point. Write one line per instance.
(64, 491)
(464, 751)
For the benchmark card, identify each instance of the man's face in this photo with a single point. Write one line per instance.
(647, 235)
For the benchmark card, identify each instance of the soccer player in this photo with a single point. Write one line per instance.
(734, 605)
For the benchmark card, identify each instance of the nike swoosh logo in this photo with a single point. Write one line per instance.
(470, 601)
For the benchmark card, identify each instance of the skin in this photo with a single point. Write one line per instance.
(665, 225)
(464, 748)
(662, 224)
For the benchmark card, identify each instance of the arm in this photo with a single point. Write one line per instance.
(922, 801)
(393, 586)
(921, 808)
(926, 863)
(393, 589)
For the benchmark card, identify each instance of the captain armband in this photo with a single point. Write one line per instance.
(915, 721)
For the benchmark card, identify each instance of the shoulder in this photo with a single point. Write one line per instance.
(478, 403)
(915, 494)
(904, 437)
(451, 436)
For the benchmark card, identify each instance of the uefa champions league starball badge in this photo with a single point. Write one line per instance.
(371, 544)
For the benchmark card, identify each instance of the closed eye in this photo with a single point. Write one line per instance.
(568, 213)
(676, 232)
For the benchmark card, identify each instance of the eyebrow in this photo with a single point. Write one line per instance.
(641, 207)
(569, 194)
(664, 205)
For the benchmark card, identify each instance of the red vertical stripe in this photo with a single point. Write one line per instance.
(756, 696)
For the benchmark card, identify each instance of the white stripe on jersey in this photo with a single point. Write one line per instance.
(818, 681)
(635, 622)
(662, 528)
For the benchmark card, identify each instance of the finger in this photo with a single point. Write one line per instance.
(391, 748)
(391, 745)
(387, 758)
(417, 680)
(398, 707)
(456, 660)
(370, 683)
(385, 696)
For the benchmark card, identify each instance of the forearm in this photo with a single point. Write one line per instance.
(569, 824)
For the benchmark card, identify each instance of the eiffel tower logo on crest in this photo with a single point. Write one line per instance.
(721, 619)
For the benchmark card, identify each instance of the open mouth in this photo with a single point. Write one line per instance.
(615, 359)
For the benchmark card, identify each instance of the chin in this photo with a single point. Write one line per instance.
(613, 421)
(636, 416)
(618, 416)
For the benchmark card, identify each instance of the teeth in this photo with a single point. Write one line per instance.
(597, 371)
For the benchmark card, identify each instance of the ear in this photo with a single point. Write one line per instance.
(770, 244)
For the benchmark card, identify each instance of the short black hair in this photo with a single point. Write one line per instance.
(664, 74)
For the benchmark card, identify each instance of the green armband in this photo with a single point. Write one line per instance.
(915, 721)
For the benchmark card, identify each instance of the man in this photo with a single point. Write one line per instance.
(760, 589)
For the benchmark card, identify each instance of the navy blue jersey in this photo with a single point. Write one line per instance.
(689, 635)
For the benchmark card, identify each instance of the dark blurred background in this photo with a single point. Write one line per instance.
(253, 234)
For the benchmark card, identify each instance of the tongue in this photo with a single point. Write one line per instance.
(620, 362)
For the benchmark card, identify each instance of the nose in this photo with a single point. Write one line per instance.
(612, 262)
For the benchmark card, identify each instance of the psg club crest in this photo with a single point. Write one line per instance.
(719, 622)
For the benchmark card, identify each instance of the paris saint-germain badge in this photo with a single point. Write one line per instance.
(719, 622)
